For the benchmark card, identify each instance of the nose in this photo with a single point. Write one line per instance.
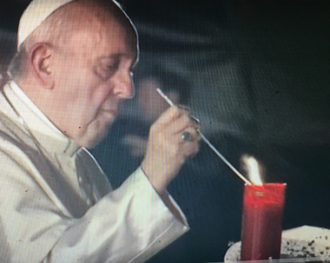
(124, 87)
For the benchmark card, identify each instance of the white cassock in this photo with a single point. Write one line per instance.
(56, 204)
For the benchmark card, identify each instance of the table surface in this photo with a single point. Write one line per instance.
(302, 244)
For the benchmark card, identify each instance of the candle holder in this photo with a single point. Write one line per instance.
(262, 221)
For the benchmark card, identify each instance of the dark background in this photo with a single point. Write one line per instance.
(259, 72)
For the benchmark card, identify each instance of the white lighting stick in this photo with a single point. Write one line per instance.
(208, 143)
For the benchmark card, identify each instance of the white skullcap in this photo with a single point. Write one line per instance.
(34, 15)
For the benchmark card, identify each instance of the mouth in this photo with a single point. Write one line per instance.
(111, 113)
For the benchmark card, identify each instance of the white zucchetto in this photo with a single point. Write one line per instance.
(34, 15)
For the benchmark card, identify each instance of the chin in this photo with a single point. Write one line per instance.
(96, 139)
(95, 133)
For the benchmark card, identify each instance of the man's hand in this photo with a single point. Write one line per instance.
(166, 150)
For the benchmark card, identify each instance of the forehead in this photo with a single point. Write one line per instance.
(106, 40)
(98, 32)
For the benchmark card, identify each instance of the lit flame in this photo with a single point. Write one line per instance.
(252, 168)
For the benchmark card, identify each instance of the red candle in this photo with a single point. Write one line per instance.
(262, 221)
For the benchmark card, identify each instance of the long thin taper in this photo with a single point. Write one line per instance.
(208, 143)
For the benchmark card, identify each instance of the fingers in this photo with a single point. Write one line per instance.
(190, 149)
(173, 125)
(176, 120)
(166, 149)
(171, 114)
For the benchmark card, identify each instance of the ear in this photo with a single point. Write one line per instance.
(41, 58)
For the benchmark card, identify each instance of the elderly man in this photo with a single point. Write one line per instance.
(72, 70)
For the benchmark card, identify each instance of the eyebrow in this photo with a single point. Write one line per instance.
(133, 55)
(118, 56)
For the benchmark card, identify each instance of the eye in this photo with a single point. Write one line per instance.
(107, 68)
(131, 70)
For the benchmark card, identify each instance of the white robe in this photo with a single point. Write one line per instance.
(56, 205)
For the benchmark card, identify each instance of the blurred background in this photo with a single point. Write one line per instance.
(256, 73)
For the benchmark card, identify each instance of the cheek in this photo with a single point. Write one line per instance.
(73, 85)
(100, 93)
(88, 90)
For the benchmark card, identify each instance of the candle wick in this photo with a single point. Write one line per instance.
(160, 92)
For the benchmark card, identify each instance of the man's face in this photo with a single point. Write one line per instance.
(93, 75)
